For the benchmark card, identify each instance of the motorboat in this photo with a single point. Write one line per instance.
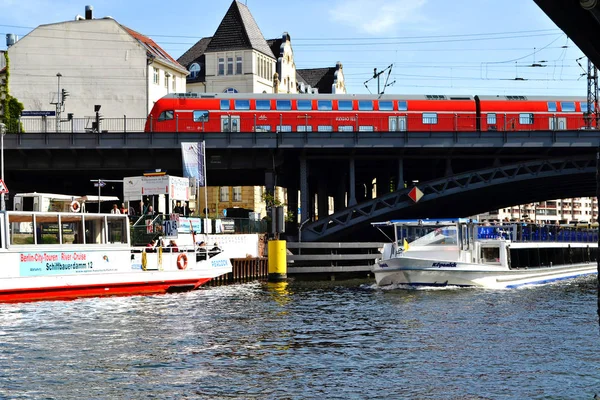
(465, 252)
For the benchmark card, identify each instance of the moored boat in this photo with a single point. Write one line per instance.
(61, 255)
(461, 252)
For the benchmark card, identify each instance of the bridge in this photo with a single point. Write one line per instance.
(338, 165)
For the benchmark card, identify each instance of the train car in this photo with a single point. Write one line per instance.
(223, 112)
(530, 113)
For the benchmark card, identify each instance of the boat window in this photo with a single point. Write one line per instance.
(224, 104)
(200, 116)
(567, 106)
(72, 229)
(345, 105)
(166, 115)
(117, 229)
(304, 105)
(402, 105)
(284, 104)
(22, 229)
(429, 118)
(386, 106)
(552, 106)
(431, 235)
(490, 255)
(365, 105)
(94, 229)
(324, 105)
(263, 104)
(242, 104)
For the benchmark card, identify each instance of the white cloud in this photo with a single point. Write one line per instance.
(377, 16)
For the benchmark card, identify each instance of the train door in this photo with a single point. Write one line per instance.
(230, 123)
(397, 124)
(557, 123)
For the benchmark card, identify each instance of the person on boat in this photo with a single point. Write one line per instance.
(115, 209)
(150, 210)
(173, 246)
(178, 209)
(123, 209)
(151, 247)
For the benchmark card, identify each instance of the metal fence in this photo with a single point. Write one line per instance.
(76, 125)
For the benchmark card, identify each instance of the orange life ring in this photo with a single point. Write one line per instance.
(75, 207)
(182, 261)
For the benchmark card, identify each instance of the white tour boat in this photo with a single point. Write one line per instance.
(461, 252)
(62, 255)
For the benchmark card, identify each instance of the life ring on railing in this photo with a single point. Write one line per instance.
(182, 261)
(75, 206)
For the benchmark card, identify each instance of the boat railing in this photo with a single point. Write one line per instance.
(537, 233)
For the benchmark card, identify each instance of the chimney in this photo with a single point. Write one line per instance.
(88, 12)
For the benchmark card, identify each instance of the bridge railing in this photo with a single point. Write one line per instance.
(327, 124)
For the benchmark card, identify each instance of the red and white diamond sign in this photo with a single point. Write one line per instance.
(415, 194)
(3, 188)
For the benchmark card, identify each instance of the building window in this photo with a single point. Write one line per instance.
(194, 70)
(229, 65)
(237, 193)
(224, 193)
(230, 90)
(167, 79)
(156, 76)
(174, 83)
(221, 70)
(238, 65)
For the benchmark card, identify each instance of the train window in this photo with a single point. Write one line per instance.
(365, 105)
(304, 105)
(325, 128)
(224, 104)
(584, 107)
(386, 106)
(304, 128)
(567, 106)
(242, 104)
(166, 115)
(429, 118)
(324, 105)
(263, 104)
(402, 105)
(365, 128)
(200, 116)
(552, 106)
(345, 105)
(284, 128)
(345, 128)
(263, 128)
(526, 119)
(284, 104)
(491, 119)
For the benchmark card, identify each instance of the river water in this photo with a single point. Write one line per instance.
(307, 340)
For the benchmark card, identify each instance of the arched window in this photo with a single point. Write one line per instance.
(230, 90)
(194, 70)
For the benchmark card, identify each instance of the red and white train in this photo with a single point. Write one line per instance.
(223, 112)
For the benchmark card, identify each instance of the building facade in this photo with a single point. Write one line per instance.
(244, 197)
(562, 211)
(96, 62)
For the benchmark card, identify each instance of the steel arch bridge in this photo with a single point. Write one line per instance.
(466, 194)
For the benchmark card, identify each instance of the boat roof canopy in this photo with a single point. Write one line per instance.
(421, 222)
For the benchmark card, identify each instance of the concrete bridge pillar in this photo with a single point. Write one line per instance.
(292, 199)
(400, 176)
(304, 190)
(352, 184)
(339, 200)
(322, 197)
(449, 171)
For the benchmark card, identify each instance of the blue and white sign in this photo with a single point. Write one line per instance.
(170, 229)
(38, 113)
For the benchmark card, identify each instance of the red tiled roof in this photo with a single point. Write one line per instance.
(152, 47)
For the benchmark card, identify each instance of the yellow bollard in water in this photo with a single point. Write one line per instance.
(277, 260)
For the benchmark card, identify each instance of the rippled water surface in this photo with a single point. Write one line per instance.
(343, 340)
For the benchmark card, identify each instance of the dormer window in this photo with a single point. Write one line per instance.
(194, 70)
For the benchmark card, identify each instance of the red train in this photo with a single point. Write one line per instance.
(222, 112)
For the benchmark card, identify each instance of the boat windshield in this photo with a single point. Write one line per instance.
(426, 235)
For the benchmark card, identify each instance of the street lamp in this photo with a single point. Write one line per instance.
(58, 105)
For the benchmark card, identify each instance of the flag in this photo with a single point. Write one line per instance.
(406, 246)
(193, 158)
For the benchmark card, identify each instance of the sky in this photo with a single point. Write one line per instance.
(423, 46)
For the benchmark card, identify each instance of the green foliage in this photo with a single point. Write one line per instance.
(11, 106)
